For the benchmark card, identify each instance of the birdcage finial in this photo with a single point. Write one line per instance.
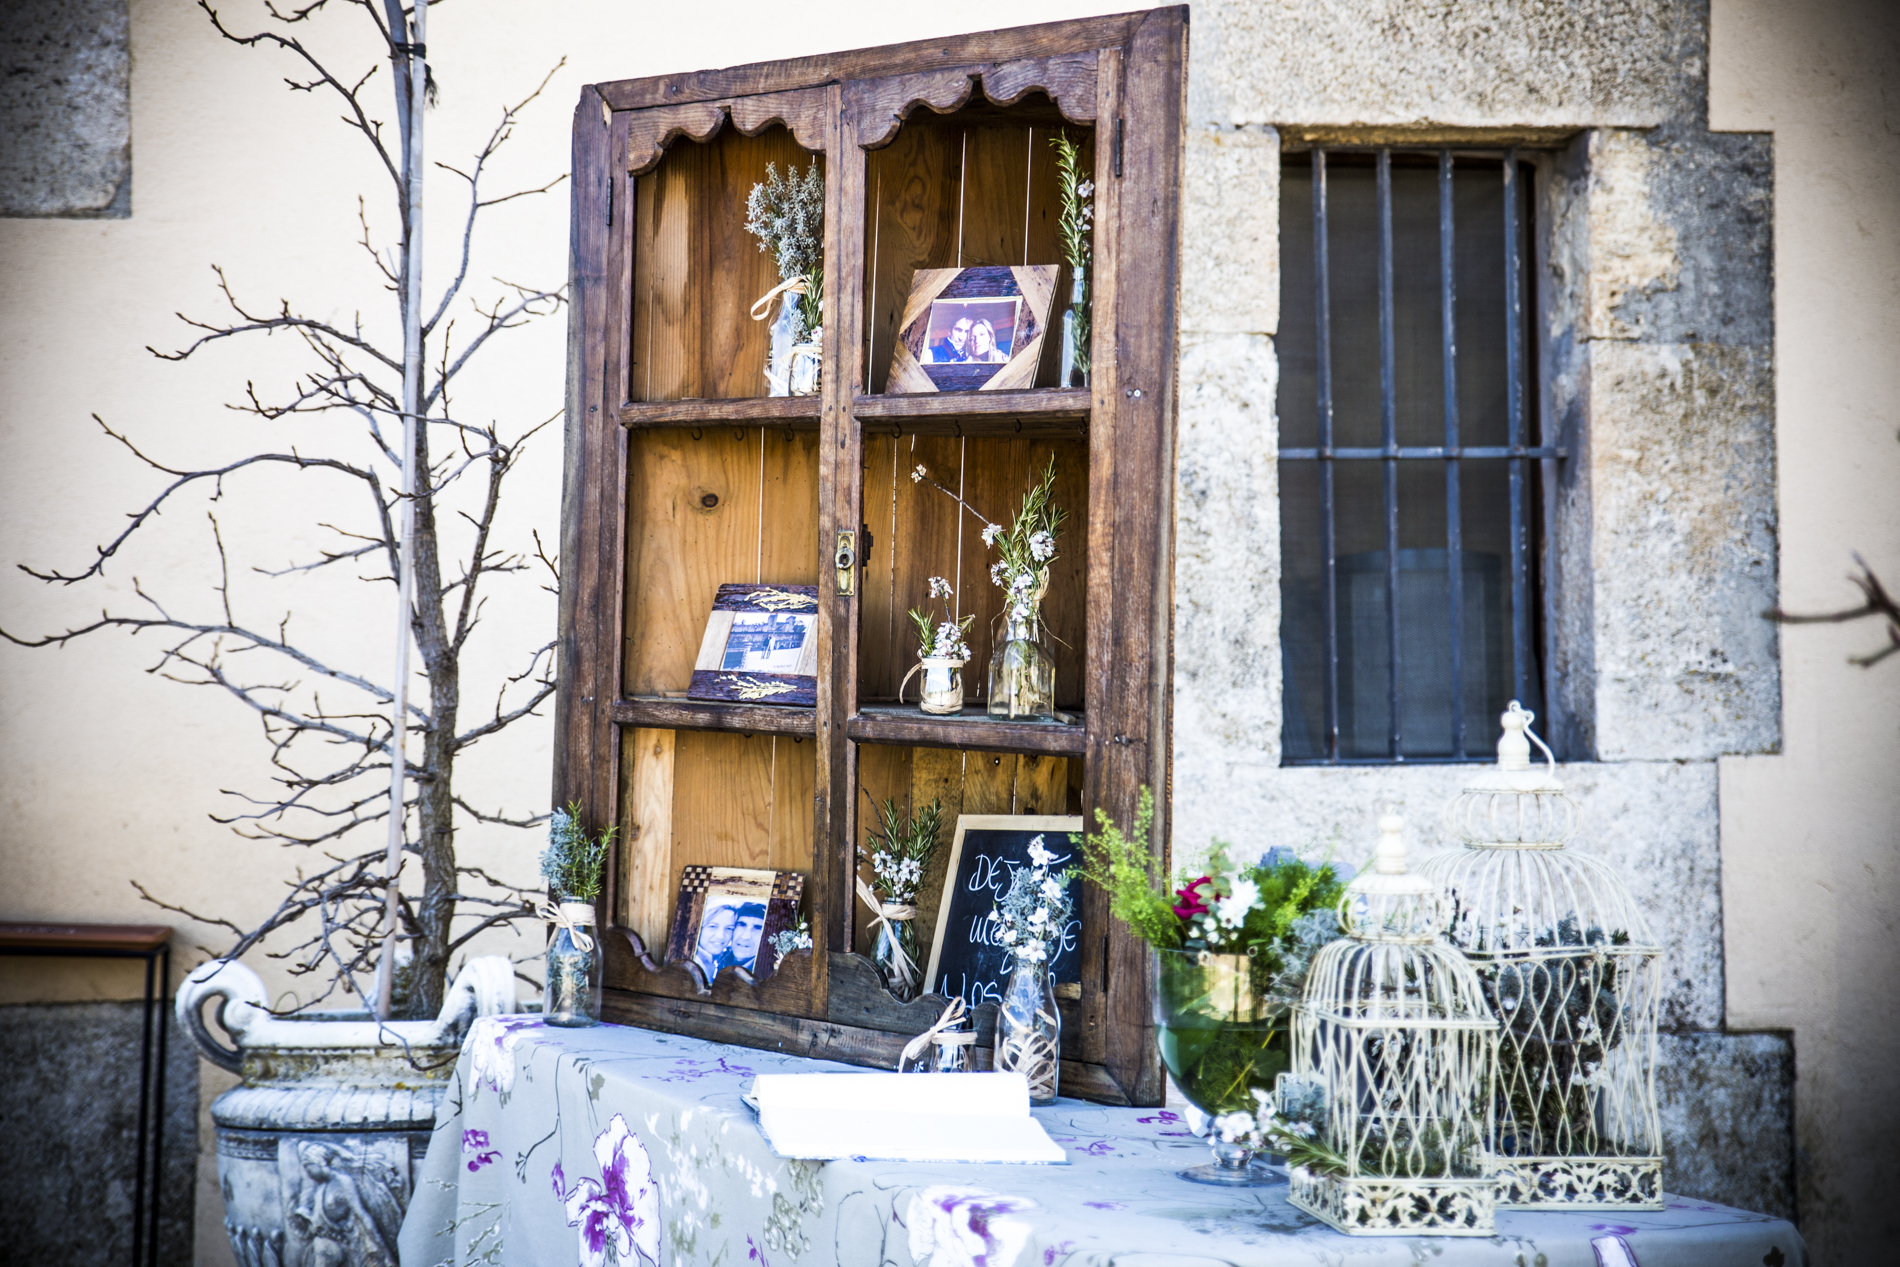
(1386, 901)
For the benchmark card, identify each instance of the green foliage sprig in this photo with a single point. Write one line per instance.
(1076, 225)
(902, 849)
(573, 862)
(787, 214)
(1228, 910)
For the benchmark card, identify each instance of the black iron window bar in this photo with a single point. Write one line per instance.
(1516, 451)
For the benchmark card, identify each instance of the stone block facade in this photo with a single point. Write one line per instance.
(1654, 290)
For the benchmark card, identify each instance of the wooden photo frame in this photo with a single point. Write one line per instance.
(760, 646)
(972, 329)
(718, 902)
(983, 858)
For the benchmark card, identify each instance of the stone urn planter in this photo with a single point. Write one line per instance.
(315, 1147)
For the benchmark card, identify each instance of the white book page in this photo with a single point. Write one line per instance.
(902, 1117)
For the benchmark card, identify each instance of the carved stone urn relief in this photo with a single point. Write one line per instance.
(315, 1147)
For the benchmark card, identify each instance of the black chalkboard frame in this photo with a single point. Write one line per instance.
(1057, 826)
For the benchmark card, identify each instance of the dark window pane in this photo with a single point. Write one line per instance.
(1433, 687)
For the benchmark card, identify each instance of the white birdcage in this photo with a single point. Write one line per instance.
(1393, 1058)
(1570, 969)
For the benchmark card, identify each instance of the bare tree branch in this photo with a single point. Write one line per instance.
(1878, 603)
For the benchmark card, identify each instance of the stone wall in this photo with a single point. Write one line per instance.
(1654, 281)
(66, 109)
(68, 1123)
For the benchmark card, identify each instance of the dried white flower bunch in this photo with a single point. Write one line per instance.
(942, 638)
(1035, 911)
(787, 215)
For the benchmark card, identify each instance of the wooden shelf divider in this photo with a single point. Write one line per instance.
(909, 726)
(799, 412)
(1052, 411)
(665, 713)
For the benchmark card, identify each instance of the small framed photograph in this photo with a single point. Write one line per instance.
(972, 329)
(727, 917)
(761, 646)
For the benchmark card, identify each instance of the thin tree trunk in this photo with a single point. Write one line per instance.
(409, 112)
(435, 782)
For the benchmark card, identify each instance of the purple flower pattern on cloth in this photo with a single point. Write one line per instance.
(966, 1227)
(476, 1142)
(687, 1069)
(622, 1211)
(1166, 1117)
(491, 1046)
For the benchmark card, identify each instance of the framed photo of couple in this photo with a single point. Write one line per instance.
(727, 917)
(972, 329)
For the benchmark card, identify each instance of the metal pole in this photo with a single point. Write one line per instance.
(1389, 427)
(1514, 402)
(1328, 545)
(411, 419)
(1454, 523)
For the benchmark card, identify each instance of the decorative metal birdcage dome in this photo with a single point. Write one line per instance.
(1569, 967)
(1394, 1052)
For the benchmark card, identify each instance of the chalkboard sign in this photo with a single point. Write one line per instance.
(965, 961)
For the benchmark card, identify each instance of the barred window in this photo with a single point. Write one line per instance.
(1410, 473)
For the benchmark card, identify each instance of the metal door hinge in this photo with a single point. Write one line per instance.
(845, 560)
(1118, 149)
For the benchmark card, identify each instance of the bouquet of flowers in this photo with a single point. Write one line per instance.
(787, 215)
(901, 851)
(1035, 909)
(785, 941)
(945, 638)
(1028, 548)
(1233, 946)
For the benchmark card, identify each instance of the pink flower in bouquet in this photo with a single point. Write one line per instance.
(1192, 901)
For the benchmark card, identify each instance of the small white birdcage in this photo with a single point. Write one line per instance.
(1569, 967)
(1393, 1059)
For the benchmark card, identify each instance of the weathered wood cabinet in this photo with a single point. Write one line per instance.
(682, 474)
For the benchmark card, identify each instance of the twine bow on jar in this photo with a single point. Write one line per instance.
(762, 306)
(581, 913)
(942, 1034)
(890, 914)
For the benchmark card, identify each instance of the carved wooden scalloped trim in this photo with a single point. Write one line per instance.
(1068, 78)
(649, 132)
(883, 104)
(802, 111)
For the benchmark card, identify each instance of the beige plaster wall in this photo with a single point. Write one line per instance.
(1810, 899)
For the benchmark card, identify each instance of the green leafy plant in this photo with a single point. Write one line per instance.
(787, 214)
(1076, 228)
(574, 861)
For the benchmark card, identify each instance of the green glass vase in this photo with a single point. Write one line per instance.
(1221, 1039)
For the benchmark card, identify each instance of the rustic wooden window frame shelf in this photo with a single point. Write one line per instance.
(1124, 77)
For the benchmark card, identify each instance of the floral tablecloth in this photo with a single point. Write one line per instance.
(615, 1145)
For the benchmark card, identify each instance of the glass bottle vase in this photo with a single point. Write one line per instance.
(1029, 1028)
(782, 335)
(1075, 332)
(901, 973)
(1022, 673)
(572, 996)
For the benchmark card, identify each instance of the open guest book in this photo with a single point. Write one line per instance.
(901, 1117)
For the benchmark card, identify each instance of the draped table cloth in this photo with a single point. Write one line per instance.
(585, 1147)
